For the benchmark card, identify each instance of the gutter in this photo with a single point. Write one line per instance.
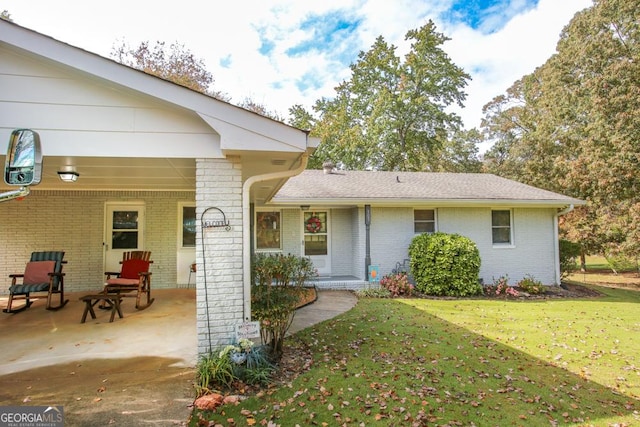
(556, 241)
(246, 227)
(15, 194)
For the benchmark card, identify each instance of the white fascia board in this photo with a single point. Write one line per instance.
(236, 138)
(228, 118)
(428, 202)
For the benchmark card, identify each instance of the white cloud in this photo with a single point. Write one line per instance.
(215, 33)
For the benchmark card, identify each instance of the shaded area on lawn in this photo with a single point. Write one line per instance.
(391, 362)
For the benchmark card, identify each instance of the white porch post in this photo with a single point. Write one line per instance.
(219, 251)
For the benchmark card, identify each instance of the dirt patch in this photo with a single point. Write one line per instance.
(137, 391)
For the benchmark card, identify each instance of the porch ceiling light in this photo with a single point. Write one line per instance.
(68, 176)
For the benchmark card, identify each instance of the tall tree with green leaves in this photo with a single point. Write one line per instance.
(392, 113)
(578, 126)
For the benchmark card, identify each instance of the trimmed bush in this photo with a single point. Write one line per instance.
(531, 286)
(397, 284)
(569, 253)
(445, 265)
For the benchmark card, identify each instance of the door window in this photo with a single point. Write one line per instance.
(124, 231)
(315, 233)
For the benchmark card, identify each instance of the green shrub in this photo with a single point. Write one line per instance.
(531, 286)
(277, 282)
(569, 254)
(445, 264)
(213, 372)
(397, 284)
(239, 362)
(619, 262)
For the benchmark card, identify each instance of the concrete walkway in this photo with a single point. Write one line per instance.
(138, 370)
(328, 305)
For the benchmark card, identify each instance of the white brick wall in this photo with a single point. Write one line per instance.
(73, 221)
(533, 249)
(291, 232)
(341, 242)
(219, 286)
(392, 232)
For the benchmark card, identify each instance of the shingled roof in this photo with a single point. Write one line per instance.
(411, 188)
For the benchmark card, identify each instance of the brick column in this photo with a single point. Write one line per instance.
(219, 286)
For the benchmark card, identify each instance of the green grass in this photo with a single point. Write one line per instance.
(463, 362)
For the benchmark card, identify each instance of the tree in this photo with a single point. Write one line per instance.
(301, 118)
(175, 63)
(458, 153)
(391, 114)
(251, 105)
(576, 124)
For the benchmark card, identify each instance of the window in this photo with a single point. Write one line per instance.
(268, 228)
(188, 226)
(424, 221)
(501, 227)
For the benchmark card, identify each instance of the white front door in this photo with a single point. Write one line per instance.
(124, 231)
(316, 242)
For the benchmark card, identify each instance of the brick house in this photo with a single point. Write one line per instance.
(192, 178)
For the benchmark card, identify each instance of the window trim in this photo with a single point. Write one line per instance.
(435, 220)
(256, 225)
(511, 243)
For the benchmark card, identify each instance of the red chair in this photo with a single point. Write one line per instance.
(134, 276)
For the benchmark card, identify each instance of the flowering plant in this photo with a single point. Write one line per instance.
(501, 287)
(397, 284)
(237, 353)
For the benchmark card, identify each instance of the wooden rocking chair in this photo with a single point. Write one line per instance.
(43, 273)
(134, 276)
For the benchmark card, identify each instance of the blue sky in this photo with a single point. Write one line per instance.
(286, 52)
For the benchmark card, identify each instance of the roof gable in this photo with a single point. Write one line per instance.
(248, 131)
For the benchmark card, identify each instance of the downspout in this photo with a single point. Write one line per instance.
(367, 254)
(246, 227)
(556, 240)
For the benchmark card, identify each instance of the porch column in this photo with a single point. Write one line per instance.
(219, 285)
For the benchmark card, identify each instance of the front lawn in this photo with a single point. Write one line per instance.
(463, 362)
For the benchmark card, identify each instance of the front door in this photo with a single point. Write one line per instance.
(316, 240)
(124, 231)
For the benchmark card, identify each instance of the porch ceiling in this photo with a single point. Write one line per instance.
(155, 174)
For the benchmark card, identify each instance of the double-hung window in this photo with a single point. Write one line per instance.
(502, 227)
(424, 221)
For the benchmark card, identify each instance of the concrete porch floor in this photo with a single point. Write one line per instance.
(37, 337)
(137, 370)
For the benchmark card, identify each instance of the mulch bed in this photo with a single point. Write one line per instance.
(308, 296)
